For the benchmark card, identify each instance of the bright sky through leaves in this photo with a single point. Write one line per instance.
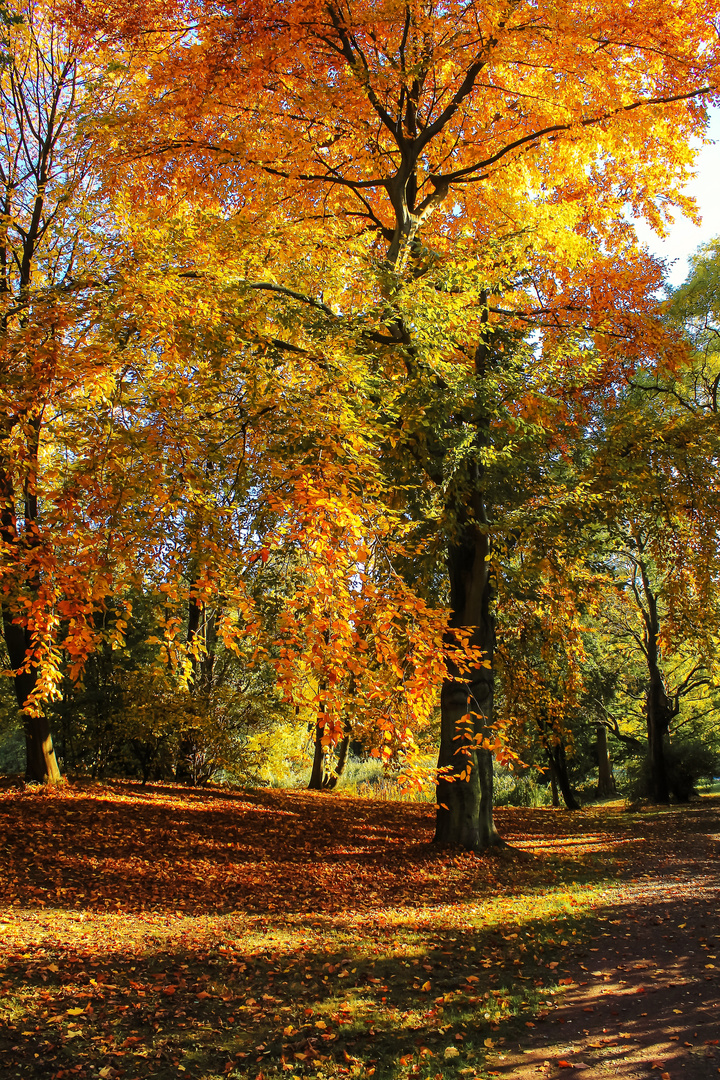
(684, 238)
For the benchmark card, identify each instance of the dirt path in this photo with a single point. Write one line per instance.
(644, 1000)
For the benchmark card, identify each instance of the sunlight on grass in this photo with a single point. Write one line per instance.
(281, 934)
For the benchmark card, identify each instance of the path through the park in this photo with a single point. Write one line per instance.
(645, 997)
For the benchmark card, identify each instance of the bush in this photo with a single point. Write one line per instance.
(513, 790)
(687, 761)
(12, 751)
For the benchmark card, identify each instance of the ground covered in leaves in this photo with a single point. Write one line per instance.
(166, 933)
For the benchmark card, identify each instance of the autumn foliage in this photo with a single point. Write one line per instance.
(309, 315)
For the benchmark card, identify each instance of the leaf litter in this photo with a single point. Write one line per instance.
(244, 934)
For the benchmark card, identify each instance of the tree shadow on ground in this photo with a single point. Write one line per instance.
(179, 851)
(341, 960)
(399, 999)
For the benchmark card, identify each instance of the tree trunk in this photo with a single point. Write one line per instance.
(41, 765)
(201, 642)
(559, 765)
(465, 766)
(553, 782)
(316, 776)
(465, 781)
(330, 779)
(606, 781)
(40, 762)
(659, 710)
(658, 715)
(321, 778)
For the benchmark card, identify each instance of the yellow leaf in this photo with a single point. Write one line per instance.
(425, 987)
(75, 1012)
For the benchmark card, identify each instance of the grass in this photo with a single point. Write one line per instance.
(165, 933)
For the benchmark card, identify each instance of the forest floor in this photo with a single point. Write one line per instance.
(171, 933)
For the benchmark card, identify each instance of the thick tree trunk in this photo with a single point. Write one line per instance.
(606, 780)
(330, 779)
(658, 716)
(465, 766)
(41, 765)
(659, 711)
(458, 814)
(342, 755)
(316, 775)
(555, 794)
(465, 781)
(201, 642)
(321, 779)
(40, 762)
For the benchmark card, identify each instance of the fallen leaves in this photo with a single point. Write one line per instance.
(274, 962)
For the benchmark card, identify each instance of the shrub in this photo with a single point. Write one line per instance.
(510, 789)
(687, 761)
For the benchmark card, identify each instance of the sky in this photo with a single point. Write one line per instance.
(684, 237)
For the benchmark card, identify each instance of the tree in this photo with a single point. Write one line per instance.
(51, 358)
(656, 466)
(415, 139)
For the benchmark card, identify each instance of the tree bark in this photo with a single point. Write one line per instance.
(330, 779)
(560, 771)
(321, 779)
(658, 709)
(465, 780)
(40, 761)
(41, 765)
(555, 794)
(658, 716)
(465, 766)
(316, 776)
(606, 781)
